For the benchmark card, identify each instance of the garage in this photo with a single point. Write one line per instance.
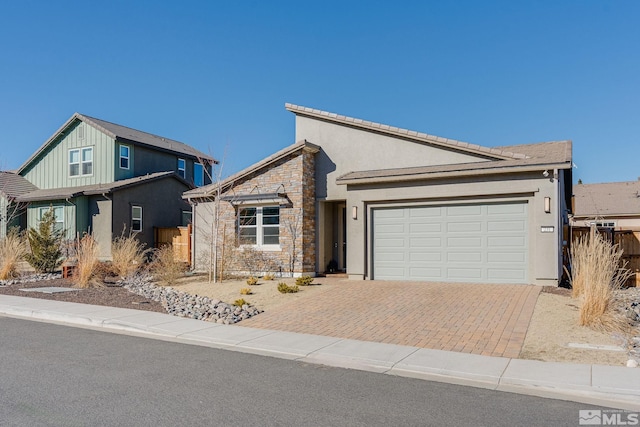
(477, 243)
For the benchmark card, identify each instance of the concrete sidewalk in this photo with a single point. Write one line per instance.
(609, 386)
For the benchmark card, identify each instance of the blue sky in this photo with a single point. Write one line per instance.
(216, 75)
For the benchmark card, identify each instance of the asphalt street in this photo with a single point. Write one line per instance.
(61, 376)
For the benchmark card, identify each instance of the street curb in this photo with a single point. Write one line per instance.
(610, 386)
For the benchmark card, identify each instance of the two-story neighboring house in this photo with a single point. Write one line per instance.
(107, 179)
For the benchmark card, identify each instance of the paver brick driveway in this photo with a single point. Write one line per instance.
(491, 320)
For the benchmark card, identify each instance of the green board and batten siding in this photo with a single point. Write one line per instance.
(76, 215)
(51, 168)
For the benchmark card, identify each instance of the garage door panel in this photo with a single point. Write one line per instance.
(425, 256)
(502, 241)
(468, 210)
(425, 228)
(391, 243)
(432, 242)
(506, 257)
(506, 225)
(393, 257)
(464, 256)
(464, 227)
(425, 212)
(462, 243)
(391, 228)
(390, 273)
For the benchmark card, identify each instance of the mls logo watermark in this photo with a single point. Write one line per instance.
(608, 417)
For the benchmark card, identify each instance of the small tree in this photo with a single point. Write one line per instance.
(46, 244)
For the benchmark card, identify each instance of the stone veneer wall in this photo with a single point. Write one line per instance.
(295, 176)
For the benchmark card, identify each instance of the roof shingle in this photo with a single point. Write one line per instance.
(607, 199)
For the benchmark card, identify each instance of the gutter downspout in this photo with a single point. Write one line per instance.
(192, 255)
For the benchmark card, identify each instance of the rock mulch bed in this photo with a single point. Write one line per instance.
(186, 305)
(137, 292)
(629, 306)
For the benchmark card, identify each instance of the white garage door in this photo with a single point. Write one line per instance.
(482, 243)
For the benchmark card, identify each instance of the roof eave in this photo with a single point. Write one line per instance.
(52, 138)
(228, 182)
(450, 174)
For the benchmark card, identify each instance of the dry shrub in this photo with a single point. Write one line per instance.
(269, 276)
(165, 266)
(87, 251)
(12, 249)
(251, 281)
(128, 254)
(283, 288)
(246, 291)
(597, 271)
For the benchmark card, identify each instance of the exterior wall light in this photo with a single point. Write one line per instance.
(547, 204)
(354, 212)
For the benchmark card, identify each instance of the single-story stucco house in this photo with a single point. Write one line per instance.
(384, 203)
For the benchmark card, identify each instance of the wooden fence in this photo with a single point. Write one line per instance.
(177, 237)
(628, 240)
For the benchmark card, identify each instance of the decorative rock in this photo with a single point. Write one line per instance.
(182, 304)
(631, 363)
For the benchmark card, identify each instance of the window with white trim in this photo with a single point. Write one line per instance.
(124, 156)
(182, 165)
(58, 213)
(136, 218)
(259, 226)
(81, 161)
(198, 174)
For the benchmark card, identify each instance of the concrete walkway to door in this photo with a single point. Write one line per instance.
(490, 320)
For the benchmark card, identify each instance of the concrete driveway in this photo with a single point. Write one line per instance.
(490, 320)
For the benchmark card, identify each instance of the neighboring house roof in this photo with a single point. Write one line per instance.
(210, 189)
(545, 155)
(119, 132)
(607, 199)
(491, 153)
(88, 190)
(13, 185)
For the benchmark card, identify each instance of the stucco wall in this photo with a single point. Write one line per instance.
(345, 149)
(293, 175)
(531, 188)
(100, 214)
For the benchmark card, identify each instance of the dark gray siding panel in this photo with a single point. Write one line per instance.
(161, 202)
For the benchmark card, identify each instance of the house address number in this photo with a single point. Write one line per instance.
(547, 229)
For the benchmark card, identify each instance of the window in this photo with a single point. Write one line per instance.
(81, 161)
(181, 168)
(259, 226)
(124, 157)
(198, 174)
(87, 161)
(187, 218)
(58, 213)
(136, 218)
